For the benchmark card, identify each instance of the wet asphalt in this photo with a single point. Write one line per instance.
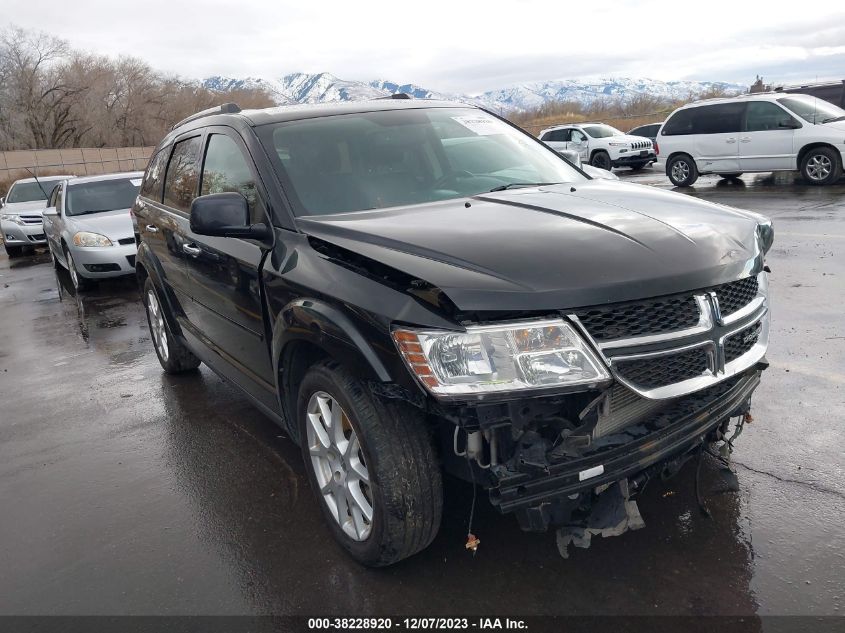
(127, 491)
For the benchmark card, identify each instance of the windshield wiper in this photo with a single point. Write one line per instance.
(93, 211)
(516, 185)
(834, 118)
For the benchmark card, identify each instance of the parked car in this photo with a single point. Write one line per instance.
(88, 227)
(601, 145)
(761, 132)
(409, 286)
(20, 213)
(649, 131)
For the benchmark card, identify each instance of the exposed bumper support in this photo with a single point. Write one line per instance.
(533, 494)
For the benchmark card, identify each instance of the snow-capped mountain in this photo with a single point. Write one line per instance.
(323, 87)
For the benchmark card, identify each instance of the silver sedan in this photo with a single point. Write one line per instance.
(88, 227)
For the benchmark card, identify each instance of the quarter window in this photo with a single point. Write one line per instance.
(226, 170)
(180, 184)
(154, 178)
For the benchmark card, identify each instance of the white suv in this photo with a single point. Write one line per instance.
(601, 145)
(754, 133)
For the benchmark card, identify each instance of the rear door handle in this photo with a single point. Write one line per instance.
(745, 139)
(193, 251)
(151, 228)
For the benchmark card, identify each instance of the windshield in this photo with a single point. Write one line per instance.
(103, 195)
(372, 160)
(30, 191)
(601, 131)
(812, 109)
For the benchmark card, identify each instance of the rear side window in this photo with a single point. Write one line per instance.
(154, 178)
(226, 169)
(557, 135)
(180, 184)
(721, 118)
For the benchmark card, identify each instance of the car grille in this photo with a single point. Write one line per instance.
(126, 240)
(131, 260)
(653, 345)
(654, 316)
(736, 295)
(649, 373)
(741, 342)
(641, 145)
(31, 219)
(38, 237)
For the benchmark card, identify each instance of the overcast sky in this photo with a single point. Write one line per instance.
(458, 46)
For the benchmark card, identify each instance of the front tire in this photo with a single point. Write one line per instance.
(682, 171)
(13, 251)
(601, 159)
(821, 166)
(731, 176)
(372, 467)
(80, 283)
(174, 356)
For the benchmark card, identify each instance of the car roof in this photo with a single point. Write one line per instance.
(101, 177)
(43, 179)
(563, 126)
(229, 113)
(755, 96)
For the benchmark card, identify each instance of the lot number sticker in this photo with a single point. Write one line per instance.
(481, 125)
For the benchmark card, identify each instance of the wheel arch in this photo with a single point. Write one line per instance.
(675, 154)
(307, 331)
(816, 145)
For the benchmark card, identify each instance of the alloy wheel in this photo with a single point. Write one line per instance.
(680, 170)
(339, 466)
(157, 326)
(819, 167)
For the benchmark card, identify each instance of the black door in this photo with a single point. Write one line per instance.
(169, 187)
(224, 271)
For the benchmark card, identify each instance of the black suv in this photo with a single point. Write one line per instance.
(416, 286)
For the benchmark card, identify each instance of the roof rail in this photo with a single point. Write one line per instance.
(226, 108)
(397, 95)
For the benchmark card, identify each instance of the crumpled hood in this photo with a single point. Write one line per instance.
(34, 207)
(556, 247)
(115, 225)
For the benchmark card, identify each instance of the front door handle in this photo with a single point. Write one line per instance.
(151, 228)
(193, 251)
(730, 140)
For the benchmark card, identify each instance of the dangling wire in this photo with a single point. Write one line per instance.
(472, 540)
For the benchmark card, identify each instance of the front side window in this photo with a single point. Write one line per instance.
(601, 131)
(762, 116)
(31, 191)
(226, 169)
(180, 183)
(372, 160)
(812, 109)
(100, 196)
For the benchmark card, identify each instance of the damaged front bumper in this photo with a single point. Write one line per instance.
(546, 495)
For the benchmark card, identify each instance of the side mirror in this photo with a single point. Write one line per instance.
(225, 215)
(50, 211)
(788, 124)
(2, 201)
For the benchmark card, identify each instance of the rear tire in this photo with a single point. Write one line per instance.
(732, 176)
(174, 356)
(601, 159)
(393, 476)
(13, 251)
(682, 170)
(821, 166)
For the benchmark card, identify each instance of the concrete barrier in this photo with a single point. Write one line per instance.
(84, 161)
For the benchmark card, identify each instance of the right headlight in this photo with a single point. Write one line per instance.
(498, 358)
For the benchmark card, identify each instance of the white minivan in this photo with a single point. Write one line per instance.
(754, 133)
